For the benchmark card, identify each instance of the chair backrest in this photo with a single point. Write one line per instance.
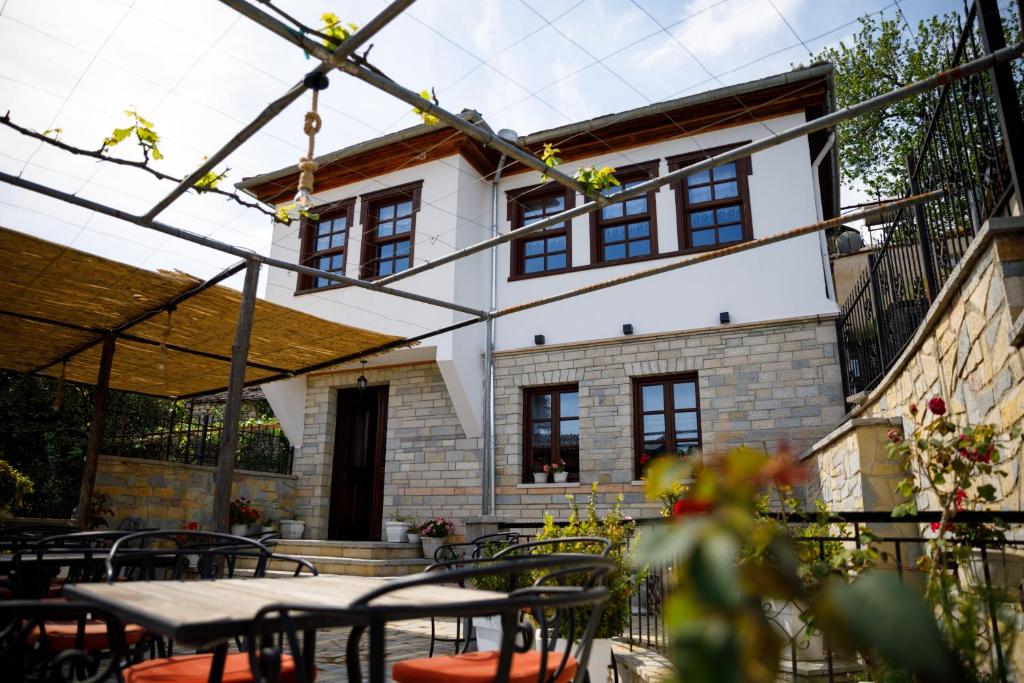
(16, 536)
(24, 650)
(481, 546)
(77, 557)
(208, 554)
(552, 606)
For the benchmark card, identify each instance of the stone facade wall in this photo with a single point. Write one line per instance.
(757, 384)
(965, 351)
(169, 495)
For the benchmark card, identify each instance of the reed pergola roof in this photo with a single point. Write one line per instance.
(57, 303)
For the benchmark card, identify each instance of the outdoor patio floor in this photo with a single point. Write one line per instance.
(405, 640)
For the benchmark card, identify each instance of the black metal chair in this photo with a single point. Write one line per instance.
(208, 554)
(552, 605)
(89, 647)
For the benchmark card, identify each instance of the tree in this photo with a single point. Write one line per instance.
(873, 147)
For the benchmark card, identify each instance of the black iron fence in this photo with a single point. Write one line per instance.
(184, 436)
(971, 149)
(806, 655)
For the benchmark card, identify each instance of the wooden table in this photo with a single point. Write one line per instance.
(208, 613)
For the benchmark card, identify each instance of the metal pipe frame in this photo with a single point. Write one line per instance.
(228, 248)
(382, 82)
(344, 51)
(822, 123)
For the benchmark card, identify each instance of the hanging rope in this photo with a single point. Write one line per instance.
(58, 396)
(311, 125)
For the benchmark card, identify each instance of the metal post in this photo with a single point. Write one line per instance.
(1003, 87)
(876, 299)
(99, 415)
(233, 405)
(923, 236)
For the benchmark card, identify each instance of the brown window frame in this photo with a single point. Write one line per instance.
(515, 216)
(668, 410)
(646, 170)
(683, 206)
(370, 203)
(308, 254)
(556, 390)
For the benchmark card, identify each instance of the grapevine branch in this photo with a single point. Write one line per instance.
(101, 155)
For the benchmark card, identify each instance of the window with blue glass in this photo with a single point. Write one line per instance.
(548, 250)
(713, 204)
(626, 230)
(666, 417)
(389, 229)
(325, 242)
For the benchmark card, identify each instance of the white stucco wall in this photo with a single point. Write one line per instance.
(779, 281)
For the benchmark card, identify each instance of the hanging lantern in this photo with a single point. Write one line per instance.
(362, 382)
(303, 200)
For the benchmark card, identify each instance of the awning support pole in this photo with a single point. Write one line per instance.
(233, 405)
(95, 442)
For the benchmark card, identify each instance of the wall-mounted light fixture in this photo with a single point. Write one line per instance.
(627, 328)
(538, 339)
(723, 317)
(362, 382)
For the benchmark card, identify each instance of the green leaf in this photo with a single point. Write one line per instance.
(665, 543)
(905, 509)
(713, 570)
(987, 492)
(877, 613)
(119, 135)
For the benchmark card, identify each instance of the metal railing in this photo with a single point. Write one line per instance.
(187, 438)
(804, 652)
(970, 149)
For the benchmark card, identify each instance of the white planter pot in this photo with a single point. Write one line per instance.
(600, 662)
(413, 538)
(239, 529)
(488, 633)
(430, 546)
(1005, 570)
(561, 477)
(540, 477)
(785, 618)
(291, 529)
(395, 532)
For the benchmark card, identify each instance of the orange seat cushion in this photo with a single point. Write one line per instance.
(197, 668)
(480, 666)
(62, 635)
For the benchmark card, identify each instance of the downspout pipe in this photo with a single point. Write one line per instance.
(487, 503)
(830, 289)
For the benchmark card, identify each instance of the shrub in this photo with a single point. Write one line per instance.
(14, 486)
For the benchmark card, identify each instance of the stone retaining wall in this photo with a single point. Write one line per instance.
(168, 495)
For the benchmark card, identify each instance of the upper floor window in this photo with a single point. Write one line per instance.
(389, 230)
(666, 417)
(627, 230)
(325, 242)
(714, 205)
(552, 426)
(547, 250)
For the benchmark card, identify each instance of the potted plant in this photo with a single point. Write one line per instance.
(413, 535)
(434, 533)
(558, 471)
(396, 528)
(541, 476)
(291, 529)
(241, 514)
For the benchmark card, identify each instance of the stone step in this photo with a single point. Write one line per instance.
(352, 566)
(367, 550)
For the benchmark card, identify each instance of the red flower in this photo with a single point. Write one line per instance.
(937, 406)
(685, 506)
(893, 435)
(192, 526)
(959, 502)
(913, 409)
(644, 459)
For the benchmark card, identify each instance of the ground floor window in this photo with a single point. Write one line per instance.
(552, 429)
(666, 417)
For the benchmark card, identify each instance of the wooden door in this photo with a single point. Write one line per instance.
(357, 481)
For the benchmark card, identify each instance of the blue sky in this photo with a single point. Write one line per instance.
(199, 71)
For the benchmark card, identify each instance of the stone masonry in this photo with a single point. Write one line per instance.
(757, 383)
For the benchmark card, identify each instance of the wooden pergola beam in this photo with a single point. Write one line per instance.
(95, 442)
(233, 405)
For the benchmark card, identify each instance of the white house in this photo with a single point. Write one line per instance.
(736, 350)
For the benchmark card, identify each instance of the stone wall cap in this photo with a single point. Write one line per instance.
(845, 428)
(486, 519)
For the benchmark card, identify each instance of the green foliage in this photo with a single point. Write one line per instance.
(427, 117)
(623, 581)
(596, 179)
(209, 181)
(881, 57)
(550, 157)
(99, 511)
(14, 486)
(144, 135)
(336, 33)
